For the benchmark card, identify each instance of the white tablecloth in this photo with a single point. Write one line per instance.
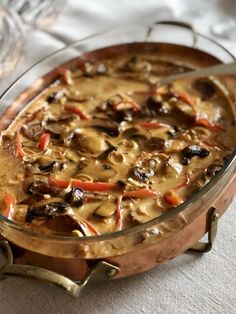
(188, 284)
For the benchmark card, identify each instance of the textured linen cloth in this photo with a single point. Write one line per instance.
(190, 283)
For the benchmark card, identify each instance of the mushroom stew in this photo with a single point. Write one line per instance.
(104, 148)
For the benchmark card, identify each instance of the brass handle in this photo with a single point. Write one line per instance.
(101, 270)
(212, 224)
(175, 23)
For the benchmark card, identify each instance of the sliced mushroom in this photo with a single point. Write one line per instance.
(136, 218)
(47, 209)
(110, 128)
(175, 131)
(135, 135)
(75, 197)
(32, 131)
(199, 133)
(44, 164)
(39, 187)
(65, 224)
(193, 150)
(156, 107)
(172, 168)
(203, 178)
(124, 115)
(106, 209)
(156, 143)
(212, 170)
(106, 153)
(142, 174)
(183, 108)
(89, 143)
(57, 127)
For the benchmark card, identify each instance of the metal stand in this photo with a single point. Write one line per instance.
(203, 247)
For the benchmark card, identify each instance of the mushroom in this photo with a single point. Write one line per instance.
(136, 218)
(212, 170)
(172, 168)
(204, 178)
(135, 135)
(110, 128)
(106, 209)
(44, 164)
(46, 209)
(193, 150)
(156, 143)
(156, 107)
(65, 224)
(57, 125)
(32, 131)
(106, 153)
(75, 197)
(89, 143)
(124, 115)
(175, 131)
(42, 188)
(184, 108)
(142, 174)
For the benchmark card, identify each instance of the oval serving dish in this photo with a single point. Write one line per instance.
(141, 247)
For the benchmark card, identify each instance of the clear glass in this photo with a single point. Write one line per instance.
(167, 224)
(11, 40)
(37, 13)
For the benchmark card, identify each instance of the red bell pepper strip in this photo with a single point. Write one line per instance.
(141, 193)
(154, 125)
(93, 186)
(10, 205)
(77, 111)
(133, 104)
(184, 183)
(19, 150)
(59, 183)
(44, 141)
(171, 198)
(185, 98)
(90, 227)
(118, 212)
(84, 185)
(207, 124)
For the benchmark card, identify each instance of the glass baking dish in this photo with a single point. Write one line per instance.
(138, 248)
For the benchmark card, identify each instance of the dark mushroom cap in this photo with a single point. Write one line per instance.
(46, 209)
(193, 150)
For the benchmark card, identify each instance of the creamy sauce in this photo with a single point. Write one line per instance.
(104, 149)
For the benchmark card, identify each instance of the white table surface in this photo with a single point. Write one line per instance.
(188, 284)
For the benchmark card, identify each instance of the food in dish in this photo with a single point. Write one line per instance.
(103, 148)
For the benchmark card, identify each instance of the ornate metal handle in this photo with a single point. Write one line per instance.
(101, 270)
